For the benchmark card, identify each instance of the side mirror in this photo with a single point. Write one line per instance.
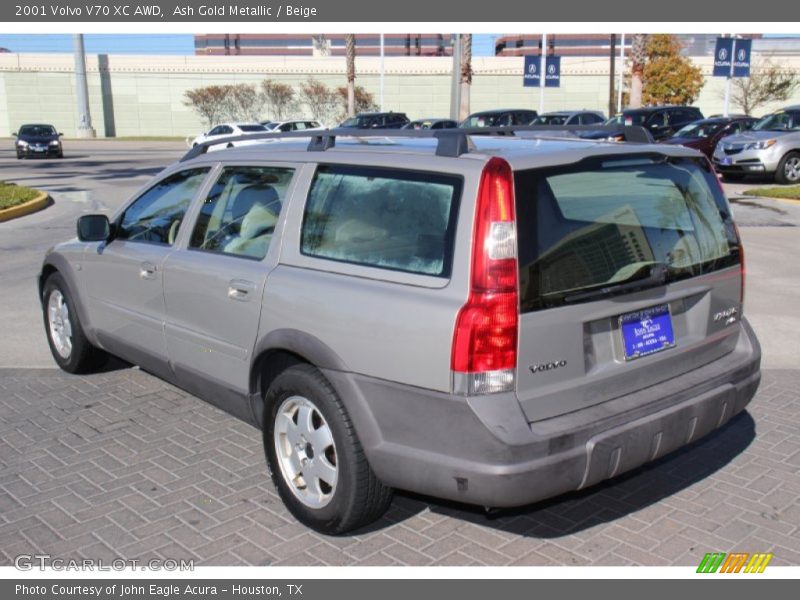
(15, 134)
(60, 134)
(94, 228)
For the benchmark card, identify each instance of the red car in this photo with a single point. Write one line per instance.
(703, 135)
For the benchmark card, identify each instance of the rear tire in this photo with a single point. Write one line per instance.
(789, 169)
(315, 458)
(68, 344)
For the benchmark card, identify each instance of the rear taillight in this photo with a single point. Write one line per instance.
(484, 358)
(742, 269)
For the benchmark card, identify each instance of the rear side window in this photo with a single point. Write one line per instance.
(609, 221)
(385, 218)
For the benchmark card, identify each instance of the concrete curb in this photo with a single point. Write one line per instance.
(38, 203)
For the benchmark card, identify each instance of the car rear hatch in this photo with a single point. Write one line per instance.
(630, 274)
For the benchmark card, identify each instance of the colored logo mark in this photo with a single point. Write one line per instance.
(736, 562)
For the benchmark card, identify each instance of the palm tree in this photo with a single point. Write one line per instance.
(638, 59)
(466, 75)
(350, 49)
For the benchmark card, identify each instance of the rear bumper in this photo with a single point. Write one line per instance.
(483, 451)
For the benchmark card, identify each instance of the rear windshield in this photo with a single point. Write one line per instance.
(607, 222)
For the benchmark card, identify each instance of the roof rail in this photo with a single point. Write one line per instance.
(450, 142)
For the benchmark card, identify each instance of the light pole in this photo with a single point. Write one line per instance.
(455, 89)
(85, 129)
(542, 72)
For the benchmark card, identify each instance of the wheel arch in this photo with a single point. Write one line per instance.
(281, 349)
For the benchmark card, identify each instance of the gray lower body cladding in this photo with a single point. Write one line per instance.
(483, 451)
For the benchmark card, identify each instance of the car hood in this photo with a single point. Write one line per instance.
(754, 136)
(37, 139)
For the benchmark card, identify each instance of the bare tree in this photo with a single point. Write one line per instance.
(320, 100)
(466, 76)
(279, 98)
(350, 50)
(638, 60)
(243, 102)
(767, 83)
(208, 102)
(364, 101)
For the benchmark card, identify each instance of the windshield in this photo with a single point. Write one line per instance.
(698, 131)
(489, 120)
(781, 121)
(550, 120)
(37, 130)
(628, 119)
(252, 128)
(358, 122)
(607, 222)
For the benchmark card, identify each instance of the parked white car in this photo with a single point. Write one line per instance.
(227, 130)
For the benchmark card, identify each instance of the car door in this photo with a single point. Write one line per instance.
(123, 278)
(214, 281)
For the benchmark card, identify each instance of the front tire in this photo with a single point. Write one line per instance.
(789, 169)
(315, 458)
(68, 344)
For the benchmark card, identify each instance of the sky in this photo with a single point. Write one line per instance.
(483, 44)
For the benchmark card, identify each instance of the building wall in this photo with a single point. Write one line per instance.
(143, 95)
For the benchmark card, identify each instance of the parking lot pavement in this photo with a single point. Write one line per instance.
(121, 465)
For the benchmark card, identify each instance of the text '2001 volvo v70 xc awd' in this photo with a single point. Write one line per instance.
(488, 319)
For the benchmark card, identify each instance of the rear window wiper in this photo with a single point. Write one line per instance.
(656, 277)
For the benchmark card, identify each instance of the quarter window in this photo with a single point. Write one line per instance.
(156, 216)
(241, 210)
(398, 220)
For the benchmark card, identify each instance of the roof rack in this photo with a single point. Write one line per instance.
(450, 142)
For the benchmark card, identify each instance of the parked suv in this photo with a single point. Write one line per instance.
(491, 320)
(661, 121)
(772, 148)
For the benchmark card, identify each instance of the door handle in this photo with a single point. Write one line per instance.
(147, 270)
(239, 289)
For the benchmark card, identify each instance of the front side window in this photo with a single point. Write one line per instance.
(605, 222)
(241, 210)
(156, 216)
(386, 218)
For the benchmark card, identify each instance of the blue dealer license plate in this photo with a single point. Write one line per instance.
(646, 331)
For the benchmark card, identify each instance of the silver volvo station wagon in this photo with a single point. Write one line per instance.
(490, 319)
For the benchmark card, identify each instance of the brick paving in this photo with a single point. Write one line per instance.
(122, 465)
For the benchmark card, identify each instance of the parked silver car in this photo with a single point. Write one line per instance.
(772, 147)
(492, 320)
